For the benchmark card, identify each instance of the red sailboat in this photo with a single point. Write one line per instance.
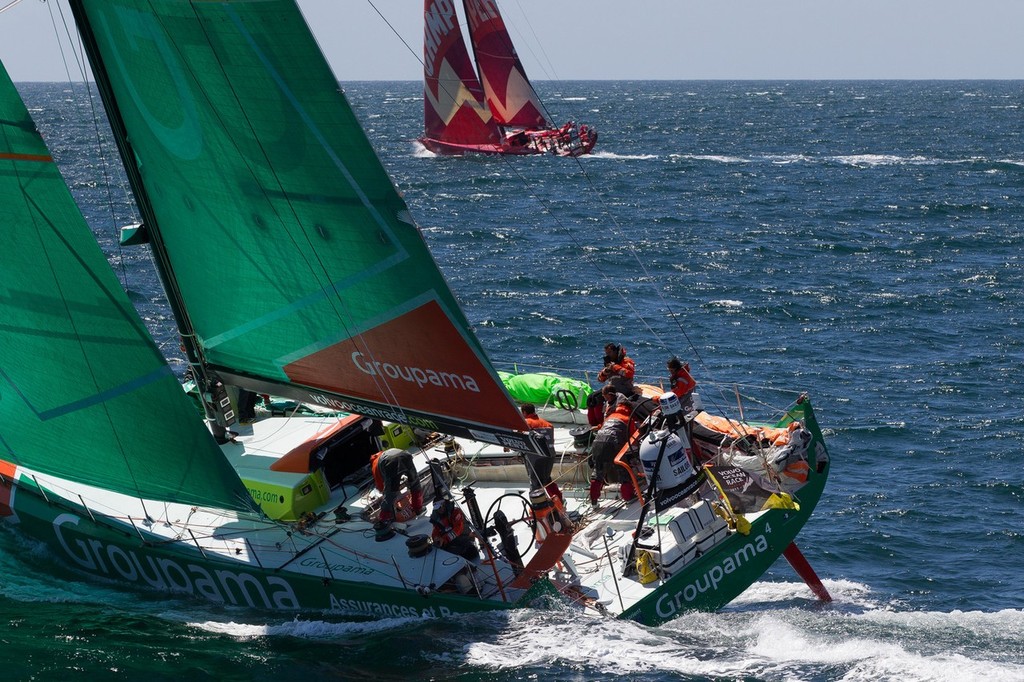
(497, 113)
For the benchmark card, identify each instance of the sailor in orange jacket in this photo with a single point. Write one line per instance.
(680, 382)
(388, 467)
(618, 369)
(450, 532)
(611, 436)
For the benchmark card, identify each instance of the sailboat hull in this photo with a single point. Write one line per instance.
(531, 147)
(341, 568)
(445, 148)
(110, 550)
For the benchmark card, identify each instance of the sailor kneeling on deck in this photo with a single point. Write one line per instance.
(451, 533)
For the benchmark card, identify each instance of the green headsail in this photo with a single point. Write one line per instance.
(292, 258)
(84, 392)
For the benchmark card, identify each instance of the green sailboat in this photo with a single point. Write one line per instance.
(294, 269)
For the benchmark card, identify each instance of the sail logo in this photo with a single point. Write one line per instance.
(439, 20)
(481, 11)
(136, 38)
(415, 375)
(336, 568)
(668, 605)
(220, 585)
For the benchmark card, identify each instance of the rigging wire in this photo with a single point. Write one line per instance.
(79, 58)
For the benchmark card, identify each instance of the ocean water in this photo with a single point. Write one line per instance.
(860, 241)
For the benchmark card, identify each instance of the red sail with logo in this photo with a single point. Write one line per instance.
(510, 96)
(453, 102)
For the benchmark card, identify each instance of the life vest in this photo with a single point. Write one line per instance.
(625, 368)
(448, 520)
(543, 427)
(682, 382)
(622, 412)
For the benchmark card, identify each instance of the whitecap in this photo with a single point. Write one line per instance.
(612, 155)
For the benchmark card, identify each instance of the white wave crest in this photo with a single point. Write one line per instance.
(305, 629)
(717, 158)
(613, 155)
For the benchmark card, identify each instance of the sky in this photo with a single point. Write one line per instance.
(641, 39)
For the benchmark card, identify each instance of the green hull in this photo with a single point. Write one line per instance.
(120, 555)
(730, 567)
(112, 551)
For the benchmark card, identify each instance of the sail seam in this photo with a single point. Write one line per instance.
(93, 400)
(42, 158)
(377, 217)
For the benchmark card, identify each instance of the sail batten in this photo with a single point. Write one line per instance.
(288, 246)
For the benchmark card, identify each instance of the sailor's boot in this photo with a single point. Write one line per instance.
(417, 502)
(596, 486)
(626, 491)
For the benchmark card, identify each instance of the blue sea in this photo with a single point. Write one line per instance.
(860, 241)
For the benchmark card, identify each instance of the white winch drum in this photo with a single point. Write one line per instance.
(669, 404)
(676, 467)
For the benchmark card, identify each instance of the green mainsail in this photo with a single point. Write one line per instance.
(291, 257)
(84, 392)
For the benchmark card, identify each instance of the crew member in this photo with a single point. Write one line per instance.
(389, 466)
(611, 436)
(450, 531)
(681, 382)
(618, 369)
